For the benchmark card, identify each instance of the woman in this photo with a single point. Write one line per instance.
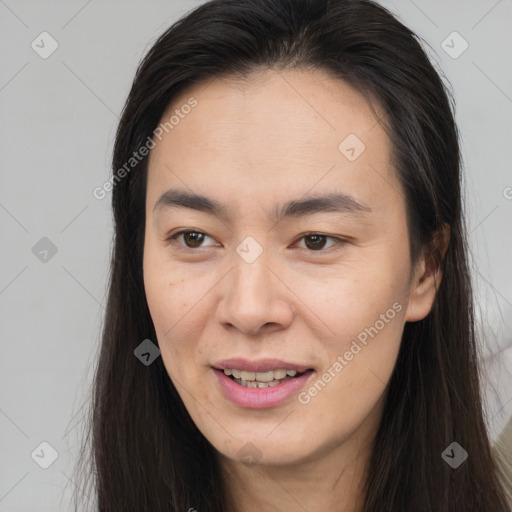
(290, 322)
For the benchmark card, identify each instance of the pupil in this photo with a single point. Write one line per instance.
(197, 239)
(320, 238)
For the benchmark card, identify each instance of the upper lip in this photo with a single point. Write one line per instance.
(260, 365)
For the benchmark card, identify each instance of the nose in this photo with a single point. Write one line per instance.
(255, 298)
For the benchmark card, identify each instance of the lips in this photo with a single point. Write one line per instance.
(260, 365)
(261, 398)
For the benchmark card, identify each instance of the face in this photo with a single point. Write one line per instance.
(297, 258)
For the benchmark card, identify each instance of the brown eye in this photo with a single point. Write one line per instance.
(315, 242)
(191, 239)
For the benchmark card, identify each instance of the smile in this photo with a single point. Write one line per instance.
(254, 394)
(261, 379)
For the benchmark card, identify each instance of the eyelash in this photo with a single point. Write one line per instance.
(172, 240)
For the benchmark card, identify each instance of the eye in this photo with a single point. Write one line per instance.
(192, 239)
(316, 241)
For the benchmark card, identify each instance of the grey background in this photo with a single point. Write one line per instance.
(57, 122)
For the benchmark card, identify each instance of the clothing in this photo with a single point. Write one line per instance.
(502, 453)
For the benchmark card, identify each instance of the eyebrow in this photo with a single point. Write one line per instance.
(332, 202)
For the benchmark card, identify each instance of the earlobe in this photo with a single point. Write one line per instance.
(427, 277)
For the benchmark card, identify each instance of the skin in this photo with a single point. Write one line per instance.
(252, 144)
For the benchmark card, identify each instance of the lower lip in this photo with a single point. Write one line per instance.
(261, 398)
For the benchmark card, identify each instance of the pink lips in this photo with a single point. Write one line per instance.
(261, 398)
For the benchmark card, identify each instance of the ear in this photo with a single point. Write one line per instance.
(427, 276)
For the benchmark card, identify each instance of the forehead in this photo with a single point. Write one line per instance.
(273, 133)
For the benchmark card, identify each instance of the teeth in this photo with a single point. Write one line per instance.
(279, 374)
(254, 384)
(265, 376)
(261, 377)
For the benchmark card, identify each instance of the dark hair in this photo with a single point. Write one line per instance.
(147, 453)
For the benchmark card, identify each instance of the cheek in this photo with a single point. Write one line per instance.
(165, 301)
(352, 384)
(168, 295)
(350, 304)
(366, 312)
(168, 303)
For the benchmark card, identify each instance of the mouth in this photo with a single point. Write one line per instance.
(261, 384)
(266, 379)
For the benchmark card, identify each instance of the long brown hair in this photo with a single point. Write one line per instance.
(145, 453)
